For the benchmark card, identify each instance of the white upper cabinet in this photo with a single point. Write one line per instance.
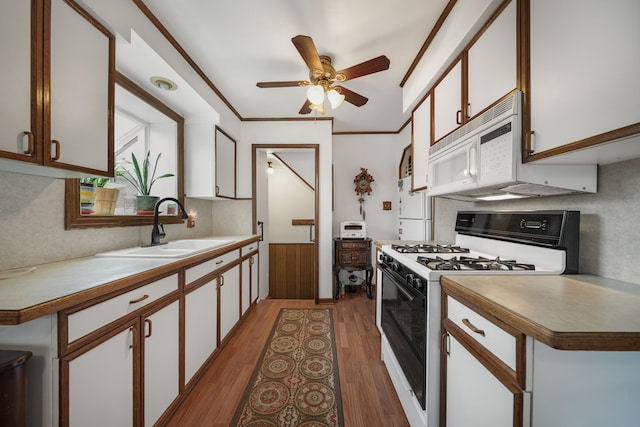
(81, 92)
(421, 141)
(58, 109)
(15, 104)
(585, 57)
(492, 61)
(210, 162)
(447, 97)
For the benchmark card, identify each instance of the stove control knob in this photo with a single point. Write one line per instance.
(395, 266)
(417, 283)
(409, 278)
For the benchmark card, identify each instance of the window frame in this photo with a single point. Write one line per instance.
(74, 219)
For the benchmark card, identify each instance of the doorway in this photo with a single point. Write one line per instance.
(285, 212)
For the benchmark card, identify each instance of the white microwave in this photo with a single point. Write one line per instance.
(486, 162)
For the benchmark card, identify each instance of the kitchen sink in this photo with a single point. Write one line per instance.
(176, 249)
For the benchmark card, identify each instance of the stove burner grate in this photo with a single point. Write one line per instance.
(429, 248)
(472, 263)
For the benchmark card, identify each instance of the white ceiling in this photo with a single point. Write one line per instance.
(239, 43)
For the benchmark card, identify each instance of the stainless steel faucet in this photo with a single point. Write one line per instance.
(158, 229)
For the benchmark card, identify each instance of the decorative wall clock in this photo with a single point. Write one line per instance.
(363, 185)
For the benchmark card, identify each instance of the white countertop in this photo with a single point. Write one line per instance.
(51, 287)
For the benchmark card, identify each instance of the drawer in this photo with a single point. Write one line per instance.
(363, 245)
(91, 318)
(247, 249)
(194, 273)
(495, 339)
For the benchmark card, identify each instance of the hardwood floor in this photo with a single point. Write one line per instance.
(368, 397)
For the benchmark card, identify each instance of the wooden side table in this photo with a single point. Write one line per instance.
(352, 255)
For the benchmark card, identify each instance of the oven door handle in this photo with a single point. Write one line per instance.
(416, 299)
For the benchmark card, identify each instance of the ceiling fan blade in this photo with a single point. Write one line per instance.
(351, 96)
(371, 66)
(309, 53)
(306, 108)
(291, 83)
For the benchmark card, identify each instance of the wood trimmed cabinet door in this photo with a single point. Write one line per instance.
(584, 65)
(58, 111)
(228, 301)
(100, 380)
(482, 371)
(161, 348)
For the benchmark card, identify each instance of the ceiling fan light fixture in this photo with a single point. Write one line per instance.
(315, 94)
(318, 107)
(335, 98)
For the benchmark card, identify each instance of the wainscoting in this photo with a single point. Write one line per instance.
(291, 270)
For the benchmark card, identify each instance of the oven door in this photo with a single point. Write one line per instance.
(403, 318)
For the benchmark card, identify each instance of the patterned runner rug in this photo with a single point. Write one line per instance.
(296, 381)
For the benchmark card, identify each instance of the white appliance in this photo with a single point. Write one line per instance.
(483, 160)
(353, 230)
(408, 305)
(414, 213)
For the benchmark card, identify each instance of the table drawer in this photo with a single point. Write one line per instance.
(194, 273)
(91, 318)
(495, 339)
(362, 245)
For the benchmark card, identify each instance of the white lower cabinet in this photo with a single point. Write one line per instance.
(482, 379)
(475, 397)
(229, 288)
(200, 327)
(103, 377)
(161, 361)
(101, 382)
(249, 282)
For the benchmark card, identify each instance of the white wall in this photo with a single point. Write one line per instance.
(380, 155)
(289, 198)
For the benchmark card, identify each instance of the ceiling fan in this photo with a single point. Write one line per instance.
(322, 76)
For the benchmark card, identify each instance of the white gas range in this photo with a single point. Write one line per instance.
(525, 242)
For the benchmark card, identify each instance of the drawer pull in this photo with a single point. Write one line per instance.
(471, 326)
(219, 262)
(137, 300)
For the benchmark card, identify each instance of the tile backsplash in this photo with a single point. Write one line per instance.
(32, 225)
(609, 231)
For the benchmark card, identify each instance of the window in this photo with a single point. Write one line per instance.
(142, 123)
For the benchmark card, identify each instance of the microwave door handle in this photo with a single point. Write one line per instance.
(470, 171)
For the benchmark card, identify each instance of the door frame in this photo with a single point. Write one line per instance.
(316, 252)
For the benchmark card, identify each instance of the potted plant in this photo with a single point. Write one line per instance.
(142, 177)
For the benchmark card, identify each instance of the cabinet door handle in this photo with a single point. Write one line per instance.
(445, 344)
(133, 337)
(251, 261)
(56, 145)
(530, 140)
(31, 147)
(473, 328)
(147, 322)
(459, 117)
(137, 300)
